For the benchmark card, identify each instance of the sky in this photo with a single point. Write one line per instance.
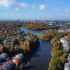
(34, 9)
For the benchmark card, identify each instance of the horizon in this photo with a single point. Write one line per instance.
(34, 10)
(34, 20)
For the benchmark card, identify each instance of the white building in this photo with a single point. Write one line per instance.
(65, 44)
(67, 66)
(61, 30)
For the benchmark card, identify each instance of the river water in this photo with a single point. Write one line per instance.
(40, 61)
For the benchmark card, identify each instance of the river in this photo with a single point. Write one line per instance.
(40, 61)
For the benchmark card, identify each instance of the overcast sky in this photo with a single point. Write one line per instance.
(34, 9)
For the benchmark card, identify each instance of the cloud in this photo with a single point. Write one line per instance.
(6, 3)
(22, 5)
(42, 7)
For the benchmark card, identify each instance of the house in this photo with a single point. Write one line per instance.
(65, 44)
(67, 66)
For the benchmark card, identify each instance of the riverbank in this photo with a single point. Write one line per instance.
(58, 54)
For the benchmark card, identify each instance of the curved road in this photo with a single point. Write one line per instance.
(41, 59)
